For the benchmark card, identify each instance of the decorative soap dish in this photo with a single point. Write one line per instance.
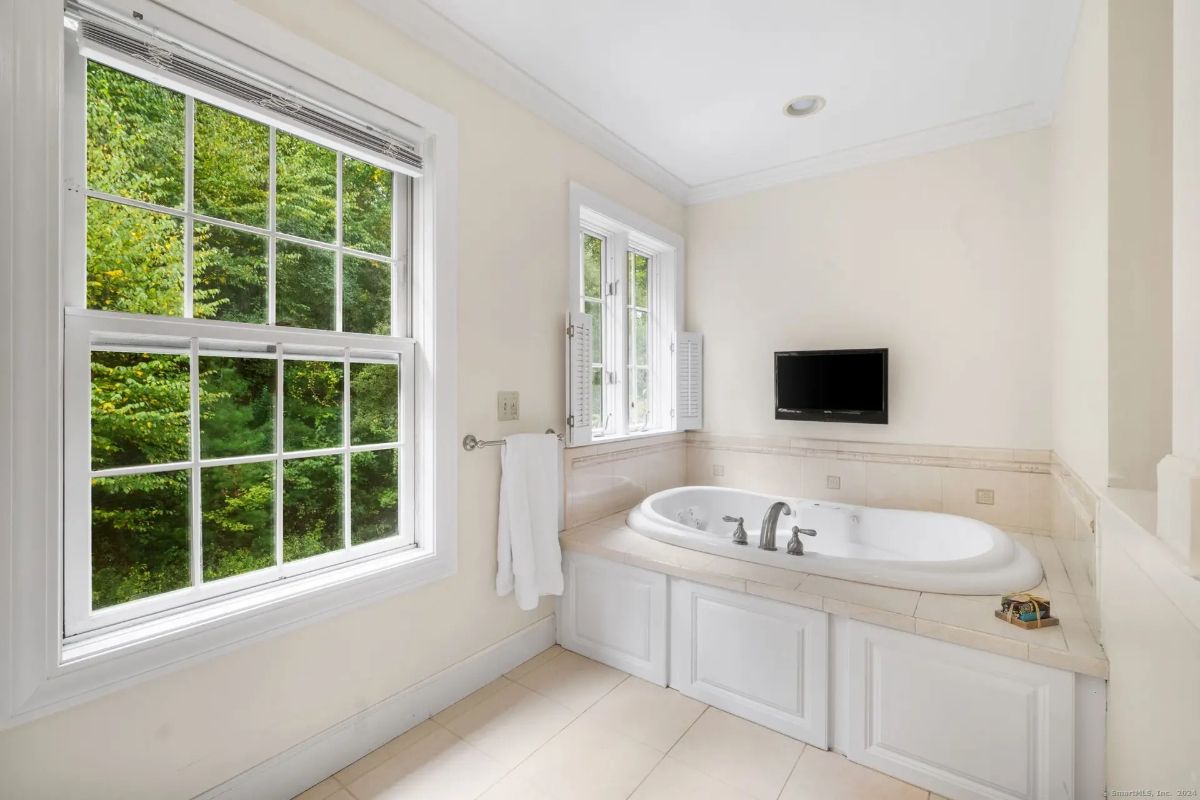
(1013, 619)
(1026, 611)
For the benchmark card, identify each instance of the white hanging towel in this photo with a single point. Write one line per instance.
(527, 553)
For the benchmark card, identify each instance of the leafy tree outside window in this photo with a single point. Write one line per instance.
(194, 211)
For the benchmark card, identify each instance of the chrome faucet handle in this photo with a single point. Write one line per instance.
(739, 533)
(795, 547)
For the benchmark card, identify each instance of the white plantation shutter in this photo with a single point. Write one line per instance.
(579, 378)
(689, 381)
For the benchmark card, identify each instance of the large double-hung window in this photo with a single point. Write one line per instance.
(239, 360)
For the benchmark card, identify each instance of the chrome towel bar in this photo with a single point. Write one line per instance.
(473, 442)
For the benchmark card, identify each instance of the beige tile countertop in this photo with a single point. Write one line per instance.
(962, 619)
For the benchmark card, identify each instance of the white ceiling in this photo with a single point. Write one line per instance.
(689, 93)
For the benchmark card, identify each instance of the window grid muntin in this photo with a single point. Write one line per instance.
(81, 622)
(400, 196)
(196, 464)
(84, 326)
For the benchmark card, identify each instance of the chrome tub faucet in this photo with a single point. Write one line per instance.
(766, 534)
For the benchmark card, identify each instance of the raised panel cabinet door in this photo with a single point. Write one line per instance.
(966, 724)
(760, 659)
(615, 614)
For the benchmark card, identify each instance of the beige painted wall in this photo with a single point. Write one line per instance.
(1079, 222)
(1151, 617)
(942, 258)
(1139, 220)
(1186, 187)
(183, 733)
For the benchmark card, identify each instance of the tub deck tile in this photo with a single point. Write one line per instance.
(962, 619)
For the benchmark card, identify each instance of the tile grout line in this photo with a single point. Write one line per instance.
(589, 705)
(558, 733)
(504, 677)
(792, 771)
(561, 650)
(669, 749)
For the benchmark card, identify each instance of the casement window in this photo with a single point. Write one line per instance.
(252, 320)
(625, 306)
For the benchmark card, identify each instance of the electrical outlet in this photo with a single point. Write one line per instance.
(718, 470)
(508, 406)
(985, 497)
(833, 481)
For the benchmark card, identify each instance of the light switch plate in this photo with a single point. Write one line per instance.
(508, 406)
(833, 481)
(985, 497)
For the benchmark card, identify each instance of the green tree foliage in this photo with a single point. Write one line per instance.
(141, 405)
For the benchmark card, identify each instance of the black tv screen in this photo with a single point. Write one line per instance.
(832, 385)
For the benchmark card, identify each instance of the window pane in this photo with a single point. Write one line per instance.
(237, 406)
(141, 404)
(305, 188)
(238, 503)
(639, 346)
(373, 496)
(639, 280)
(366, 296)
(312, 506)
(312, 409)
(593, 265)
(595, 310)
(304, 286)
(230, 274)
(639, 403)
(134, 137)
(597, 398)
(366, 207)
(134, 260)
(232, 166)
(374, 395)
(140, 534)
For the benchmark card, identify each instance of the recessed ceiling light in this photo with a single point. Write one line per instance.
(804, 106)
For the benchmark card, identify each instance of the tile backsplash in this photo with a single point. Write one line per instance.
(601, 479)
(1007, 488)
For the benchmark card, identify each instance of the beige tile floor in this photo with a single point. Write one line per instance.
(564, 727)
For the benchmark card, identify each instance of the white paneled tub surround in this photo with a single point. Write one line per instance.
(962, 722)
(919, 550)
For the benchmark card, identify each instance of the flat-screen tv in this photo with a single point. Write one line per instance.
(832, 385)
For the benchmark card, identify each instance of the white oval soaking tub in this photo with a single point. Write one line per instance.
(918, 550)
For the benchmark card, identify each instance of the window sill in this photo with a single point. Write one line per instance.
(92, 664)
(626, 437)
(246, 603)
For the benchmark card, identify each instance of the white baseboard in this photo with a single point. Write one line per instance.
(311, 761)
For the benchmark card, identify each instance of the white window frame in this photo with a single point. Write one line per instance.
(624, 230)
(41, 671)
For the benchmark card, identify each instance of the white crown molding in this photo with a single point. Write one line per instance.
(433, 30)
(941, 137)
